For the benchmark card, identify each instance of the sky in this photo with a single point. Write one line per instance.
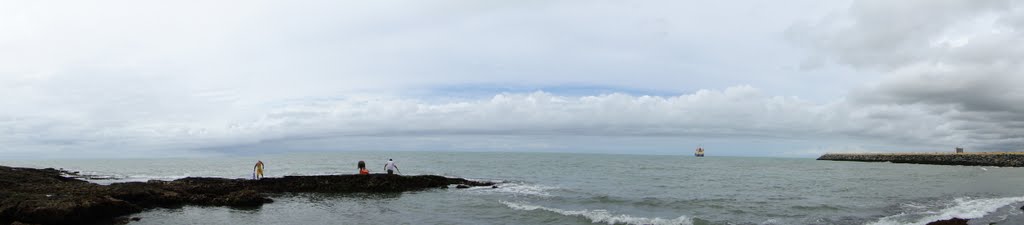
(789, 78)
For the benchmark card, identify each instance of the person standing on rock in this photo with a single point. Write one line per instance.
(391, 167)
(257, 170)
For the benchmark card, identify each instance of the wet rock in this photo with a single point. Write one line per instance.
(462, 186)
(66, 210)
(125, 220)
(44, 196)
(953, 221)
(79, 175)
(243, 198)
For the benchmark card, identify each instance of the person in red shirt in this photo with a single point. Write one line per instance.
(362, 168)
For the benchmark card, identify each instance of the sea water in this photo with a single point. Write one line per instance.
(557, 188)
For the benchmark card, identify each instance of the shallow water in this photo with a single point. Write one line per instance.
(547, 188)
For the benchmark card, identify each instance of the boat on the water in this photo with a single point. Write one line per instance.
(699, 152)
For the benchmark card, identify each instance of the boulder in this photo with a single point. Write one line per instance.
(953, 221)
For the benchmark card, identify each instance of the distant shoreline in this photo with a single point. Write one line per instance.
(1002, 159)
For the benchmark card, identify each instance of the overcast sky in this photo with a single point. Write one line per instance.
(790, 78)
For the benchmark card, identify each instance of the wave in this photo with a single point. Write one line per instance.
(602, 216)
(149, 177)
(496, 181)
(524, 189)
(963, 208)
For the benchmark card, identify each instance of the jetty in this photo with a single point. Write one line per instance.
(1003, 159)
(47, 196)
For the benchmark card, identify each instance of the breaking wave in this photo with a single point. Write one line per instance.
(602, 216)
(963, 208)
(524, 189)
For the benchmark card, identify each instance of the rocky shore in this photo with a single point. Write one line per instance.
(44, 196)
(1004, 159)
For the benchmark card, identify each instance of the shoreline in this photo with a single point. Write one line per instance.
(44, 196)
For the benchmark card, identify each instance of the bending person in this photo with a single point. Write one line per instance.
(391, 167)
(258, 170)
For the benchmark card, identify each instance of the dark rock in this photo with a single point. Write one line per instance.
(1004, 159)
(462, 186)
(953, 221)
(44, 196)
(124, 220)
(65, 210)
(243, 198)
(495, 186)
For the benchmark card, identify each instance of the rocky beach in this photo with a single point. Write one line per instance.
(49, 196)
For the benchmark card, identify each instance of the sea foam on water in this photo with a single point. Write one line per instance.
(602, 216)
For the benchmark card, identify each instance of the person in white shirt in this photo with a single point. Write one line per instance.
(391, 167)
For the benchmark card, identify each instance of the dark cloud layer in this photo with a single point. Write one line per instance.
(958, 61)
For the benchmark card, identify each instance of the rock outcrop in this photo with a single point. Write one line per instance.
(43, 196)
(1005, 159)
(953, 221)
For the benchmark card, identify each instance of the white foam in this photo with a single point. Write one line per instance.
(962, 208)
(483, 180)
(525, 189)
(146, 177)
(603, 216)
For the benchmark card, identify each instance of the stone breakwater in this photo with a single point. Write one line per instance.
(44, 196)
(1004, 159)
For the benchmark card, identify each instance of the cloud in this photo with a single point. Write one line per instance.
(124, 78)
(736, 111)
(886, 35)
(958, 63)
(519, 121)
(267, 49)
(703, 112)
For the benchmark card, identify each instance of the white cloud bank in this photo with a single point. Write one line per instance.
(740, 112)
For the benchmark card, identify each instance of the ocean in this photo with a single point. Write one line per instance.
(566, 188)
